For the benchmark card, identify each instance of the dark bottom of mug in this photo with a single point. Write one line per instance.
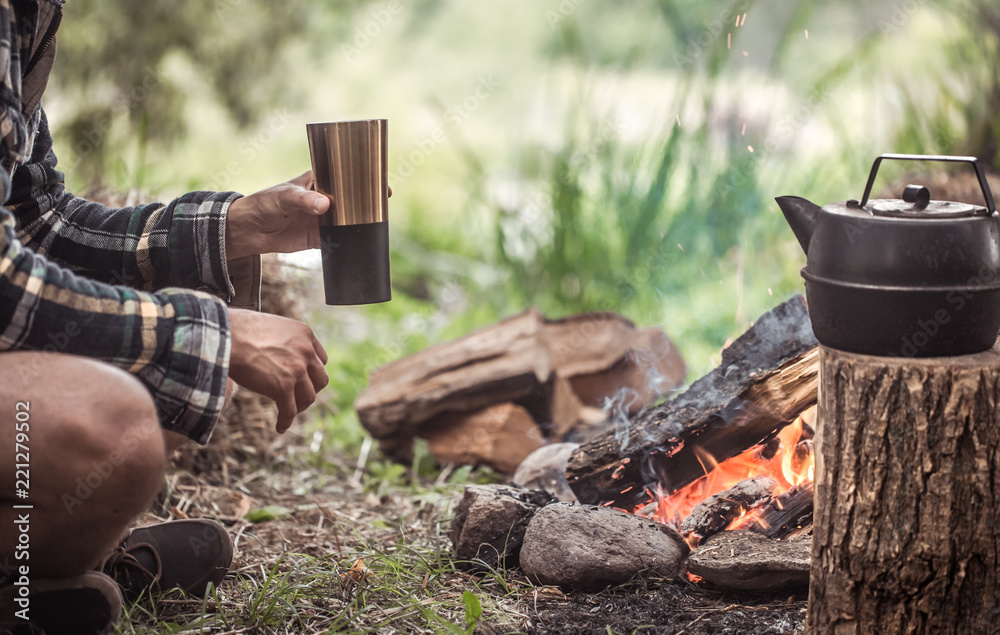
(356, 263)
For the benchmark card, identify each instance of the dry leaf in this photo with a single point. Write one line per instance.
(356, 574)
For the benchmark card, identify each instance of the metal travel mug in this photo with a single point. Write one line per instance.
(349, 166)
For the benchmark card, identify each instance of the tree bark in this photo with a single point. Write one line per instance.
(907, 495)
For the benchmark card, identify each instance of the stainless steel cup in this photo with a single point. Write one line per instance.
(349, 165)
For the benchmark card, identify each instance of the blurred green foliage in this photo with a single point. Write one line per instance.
(116, 59)
(568, 155)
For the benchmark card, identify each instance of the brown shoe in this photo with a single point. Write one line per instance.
(180, 554)
(82, 605)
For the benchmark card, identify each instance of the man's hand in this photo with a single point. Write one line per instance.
(280, 219)
(278, 358)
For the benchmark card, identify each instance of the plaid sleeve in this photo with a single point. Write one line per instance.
(175, 341)
(180, 244)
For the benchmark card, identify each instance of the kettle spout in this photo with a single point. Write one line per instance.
(801, 216)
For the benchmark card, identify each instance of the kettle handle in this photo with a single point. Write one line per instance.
(990, 205)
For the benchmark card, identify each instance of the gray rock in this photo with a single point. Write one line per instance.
(587, 547)
(545, 470)
(490, 522)
(747, 561)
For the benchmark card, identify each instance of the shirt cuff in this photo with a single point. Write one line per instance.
(190, 388)
(197, 243)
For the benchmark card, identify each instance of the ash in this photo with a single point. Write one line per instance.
(670, 608)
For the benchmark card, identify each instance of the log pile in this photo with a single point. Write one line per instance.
(495, 395)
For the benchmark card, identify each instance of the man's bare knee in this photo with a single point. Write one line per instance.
(88, 412)
(124, 431)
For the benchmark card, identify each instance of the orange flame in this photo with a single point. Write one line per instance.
(791, 465)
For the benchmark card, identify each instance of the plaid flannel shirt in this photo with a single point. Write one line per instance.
(114, 285)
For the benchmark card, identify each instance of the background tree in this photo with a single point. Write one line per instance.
(127, 67)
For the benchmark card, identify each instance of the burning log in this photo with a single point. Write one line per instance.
(718, 511)
(905, 534)
(767, 377)
(788, 514)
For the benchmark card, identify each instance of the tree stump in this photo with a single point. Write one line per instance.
(907, 498)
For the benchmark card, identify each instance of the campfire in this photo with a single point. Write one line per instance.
(767, 489)
(730, 458)
(716, 484)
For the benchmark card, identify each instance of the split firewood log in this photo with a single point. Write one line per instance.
(506, 362)
(500, 436)
(604, 354)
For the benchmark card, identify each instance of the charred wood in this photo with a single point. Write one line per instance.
(718, 511)
(767, 377)
(783, 515)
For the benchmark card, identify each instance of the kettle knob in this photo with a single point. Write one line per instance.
(919, 195)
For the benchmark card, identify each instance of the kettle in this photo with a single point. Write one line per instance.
(906, 277)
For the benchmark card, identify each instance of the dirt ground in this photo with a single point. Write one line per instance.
(327, 516)
(337, 518)
(334, 517)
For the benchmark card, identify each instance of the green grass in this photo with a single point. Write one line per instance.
(409, 583)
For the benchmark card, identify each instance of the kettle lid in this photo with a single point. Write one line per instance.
(917, 203)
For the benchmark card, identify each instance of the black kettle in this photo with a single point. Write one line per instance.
(906, 277)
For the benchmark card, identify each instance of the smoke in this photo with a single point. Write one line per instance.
(616, 409)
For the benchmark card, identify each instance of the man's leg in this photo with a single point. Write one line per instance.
(95, 460)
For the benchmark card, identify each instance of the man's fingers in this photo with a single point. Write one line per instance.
(318, 376)
(318, 347)
(305, 394)
(286, 413)
(296, 401)
(314, 202)
(306, 195)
